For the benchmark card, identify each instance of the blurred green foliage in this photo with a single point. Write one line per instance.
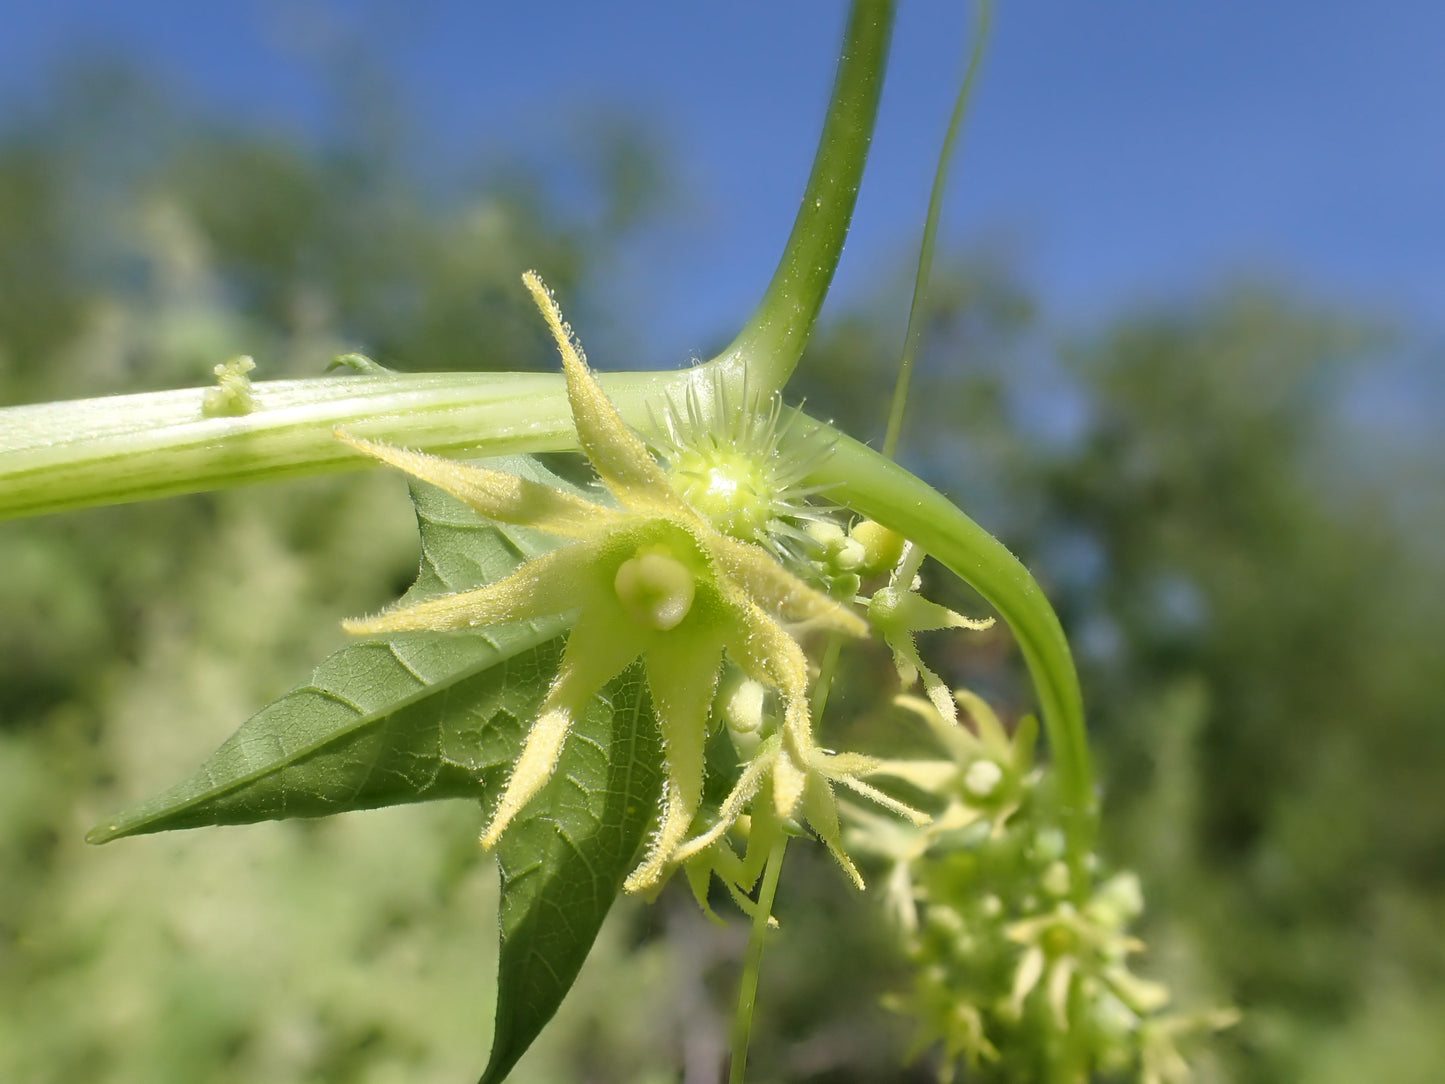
(1256, 630)
(1256, 624)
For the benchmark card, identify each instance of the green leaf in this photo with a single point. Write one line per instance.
(420, 716)
(412, 717)
(564, 859)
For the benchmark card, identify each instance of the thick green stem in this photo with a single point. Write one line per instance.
(60, 456)
(769, 346)
(869, 483)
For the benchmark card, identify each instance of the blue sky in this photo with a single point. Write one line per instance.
(1118, 150)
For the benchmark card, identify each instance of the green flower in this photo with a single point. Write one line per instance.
(651, 579)
(1090, 944)
(988, 772)
(986, 778)
(898, 611)
(1159, 1036)
(796, 782)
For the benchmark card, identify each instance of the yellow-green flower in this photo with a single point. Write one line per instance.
(1091, 943)
(652, 578)
(898, 611)
(984, 779)
(805, 781)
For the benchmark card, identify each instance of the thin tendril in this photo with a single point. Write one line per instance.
(930, 229)
(752, 963)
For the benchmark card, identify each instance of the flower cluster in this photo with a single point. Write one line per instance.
(1018, 973)
(681, 571)
(712, 552)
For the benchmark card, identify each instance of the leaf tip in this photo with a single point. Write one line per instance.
(104, 833)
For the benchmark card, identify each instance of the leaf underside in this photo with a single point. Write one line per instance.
(564, 859)
(424, 716)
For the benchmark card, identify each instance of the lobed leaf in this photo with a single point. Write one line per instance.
(420, 716)
(411, 717)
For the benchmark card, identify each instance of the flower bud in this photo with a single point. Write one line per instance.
(982, 778)
(882, 548)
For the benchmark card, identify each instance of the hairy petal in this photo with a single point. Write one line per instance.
(789, 784)
(910, 666)
(682, 675)
(821, 810)
(929, 775)
(773, 586)
(729, 868)
(495, 494)
(887, 801)
(620, 458)
(922, 615)
(550, 584)
(1061, 977)
(597, 651)
(761, 647)
(743, 792)
(1026, 977)
(768, 654)
(532, 770)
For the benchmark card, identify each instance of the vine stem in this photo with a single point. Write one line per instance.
(57, 457)
(769, 346)
(753, 961)
(871, 484)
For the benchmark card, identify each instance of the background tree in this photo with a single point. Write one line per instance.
(1253, 596)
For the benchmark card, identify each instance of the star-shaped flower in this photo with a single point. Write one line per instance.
(794, 781)
(1064, 942)
(653, 578)
(898, 611)
(985, 778)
